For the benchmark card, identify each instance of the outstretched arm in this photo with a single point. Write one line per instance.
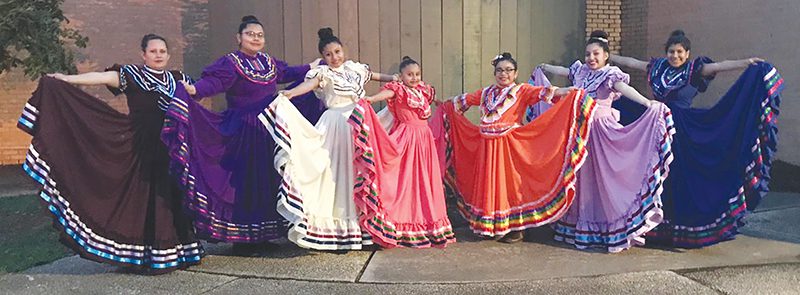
(632, 94)
(728, 65)
(109, 78)
(559, 91)
(629, 62)
(558, 70)
(384, 77)
(380, 96)
(301, 89)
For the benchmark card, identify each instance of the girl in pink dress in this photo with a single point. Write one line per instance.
(411, 209)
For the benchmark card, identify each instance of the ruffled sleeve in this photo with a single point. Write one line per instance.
(574, 69)
(362, 70)
(615, 75)
(216, 78)
(318, 73)
(288, 73)
(432, 91)
(696, 77)
(397, 88)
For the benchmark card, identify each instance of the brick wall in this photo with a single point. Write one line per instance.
(15, 88)
(115, 29)
(605, 15)
(633, 41)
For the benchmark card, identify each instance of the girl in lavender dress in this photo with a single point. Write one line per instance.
(619, 188)
(723, 154)
(224, 160)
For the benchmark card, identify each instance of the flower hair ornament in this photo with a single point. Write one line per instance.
(499, 56)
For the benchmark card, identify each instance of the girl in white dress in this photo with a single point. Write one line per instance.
(316, 161)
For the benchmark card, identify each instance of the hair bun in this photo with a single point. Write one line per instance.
(406, 57)
(677, 33)
(249, 18)
(598, 34)
(503, 56)
(325, 33)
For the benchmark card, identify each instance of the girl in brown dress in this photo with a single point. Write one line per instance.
(105, 174)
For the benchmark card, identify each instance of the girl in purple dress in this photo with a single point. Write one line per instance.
(224, 160)
(723, 154)
(105, 174)
(619, 188)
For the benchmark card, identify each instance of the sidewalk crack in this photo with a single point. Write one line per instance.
(363, 269)
(220, 285)
(711, 287)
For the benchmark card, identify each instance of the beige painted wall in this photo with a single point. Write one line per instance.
(723, 29)
(453, 39)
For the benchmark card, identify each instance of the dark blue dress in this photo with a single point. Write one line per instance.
(722, 155)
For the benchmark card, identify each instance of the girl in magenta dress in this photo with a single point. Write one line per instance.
(224, 160)
(619, 188)
(411, 210)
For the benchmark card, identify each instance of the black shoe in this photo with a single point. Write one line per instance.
(247, 250)
(489, 238)
(513, 237)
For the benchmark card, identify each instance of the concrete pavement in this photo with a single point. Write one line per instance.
(765, 259)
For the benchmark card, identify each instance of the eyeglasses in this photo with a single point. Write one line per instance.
(506, 70)
(254, 34)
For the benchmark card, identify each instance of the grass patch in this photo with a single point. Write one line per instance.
(27, 237)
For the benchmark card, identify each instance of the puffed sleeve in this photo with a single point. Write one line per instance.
(124, 78)
(573, 70)
(216, 78)
(397, 88)
(364, 71)
(318, 73)
(432, 93)
(615, 75)
(696, 77)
